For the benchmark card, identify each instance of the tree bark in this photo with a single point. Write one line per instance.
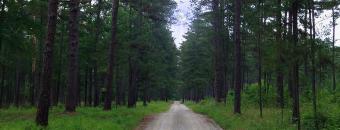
(279, 69)
(9, 91)
(90, 85)
(260, 57)
(73, 65)
(44, 100)
(2, 87)
(220, 78)
(295, 66)
(96, 41)
(333, 49)
(34, 68)
(17, 87)
(60, 65)
(109, 78)
(120, 93)
(145, 92)
(96, 87)
(238, 69)
(85, 87)
(1, 54)
(312, 30)
(132, 92)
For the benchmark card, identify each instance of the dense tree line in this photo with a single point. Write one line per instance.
(268, 42)
(100, 53)
(85, 53)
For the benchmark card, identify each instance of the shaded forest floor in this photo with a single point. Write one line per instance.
(86, 118)
(328, 112)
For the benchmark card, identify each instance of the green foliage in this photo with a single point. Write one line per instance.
(269, 95)
(143, 34)
(328, 107)
(196, 59)
(86, 118)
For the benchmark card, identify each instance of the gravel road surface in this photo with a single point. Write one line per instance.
(180, 117)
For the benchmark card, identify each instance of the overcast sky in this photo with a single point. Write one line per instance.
(183, 15)
(181, 26)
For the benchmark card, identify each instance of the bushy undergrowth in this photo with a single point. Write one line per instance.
(86, 118)
(328, 110)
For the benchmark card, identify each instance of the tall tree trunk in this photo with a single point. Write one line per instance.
(2, 96)
(78, 96)
(60, 65)
(2, 85)
(90, 83)
(96, 41)
(132, 92)
(32, 88)
(145, 92)
(333, 50)
(40, 56)
(224, 33)
(260, 77)
(109, 78)
(34, 68)
(9, 90)
(85, 87)
(118, 87)
(95, 87)
(289, 35)
(73, 65)
(1, 22)
(238, 68)
(260, 55)
(220, 78)
(312, 30)
(17, 87)
(295, 67)
(44, 100)
(279, 69)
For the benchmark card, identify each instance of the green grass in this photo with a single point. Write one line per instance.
(248, 120)
(86, 118)
(328, 111)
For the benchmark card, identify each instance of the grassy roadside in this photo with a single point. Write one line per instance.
(86, 118)
(328, 110)
(248, 120)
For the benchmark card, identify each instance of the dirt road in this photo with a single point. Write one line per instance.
(180, 117)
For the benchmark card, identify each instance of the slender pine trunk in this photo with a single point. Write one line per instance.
(44, 100)
(95, 66)
(73, 65)
(279, 69)
(314, 94)
(109, 78)
(220, 78)
(295, 66)
(238, 67)
(333, 49)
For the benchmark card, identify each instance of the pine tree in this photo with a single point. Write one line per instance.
(44, 100)
(73, 57)
(109, 78)
(238, 56)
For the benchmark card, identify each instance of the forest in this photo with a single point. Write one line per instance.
(116, 64)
